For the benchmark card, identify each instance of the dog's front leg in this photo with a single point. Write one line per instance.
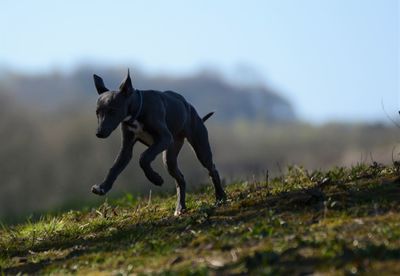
(161, 143)
(122, 160)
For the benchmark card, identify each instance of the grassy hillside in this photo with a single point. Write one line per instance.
(343, 221)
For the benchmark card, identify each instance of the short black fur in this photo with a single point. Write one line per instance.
(161, 121)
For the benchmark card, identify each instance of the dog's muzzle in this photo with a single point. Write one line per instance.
(102, 134)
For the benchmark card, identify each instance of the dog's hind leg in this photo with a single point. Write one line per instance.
(201, 146)
(170, 157)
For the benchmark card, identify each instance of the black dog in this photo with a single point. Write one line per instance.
(161, 121)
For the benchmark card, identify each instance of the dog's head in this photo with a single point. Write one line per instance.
(112, 106)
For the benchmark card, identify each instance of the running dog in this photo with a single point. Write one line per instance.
(159, 120)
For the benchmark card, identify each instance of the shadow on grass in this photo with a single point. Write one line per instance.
(311, 200)
(291, 262)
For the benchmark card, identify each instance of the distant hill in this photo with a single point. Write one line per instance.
(51, 156)
(207, 91)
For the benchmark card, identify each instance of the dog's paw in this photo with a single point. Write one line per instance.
(221, 199)
(156, 179)
(221, 196)
(180, 212)
(98, 190)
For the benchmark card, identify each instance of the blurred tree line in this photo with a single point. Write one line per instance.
(51, 157)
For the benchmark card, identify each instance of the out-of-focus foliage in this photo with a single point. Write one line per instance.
(51, 157)
(206, 90)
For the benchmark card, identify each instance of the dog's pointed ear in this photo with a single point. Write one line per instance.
(126, 86)
(99, 83)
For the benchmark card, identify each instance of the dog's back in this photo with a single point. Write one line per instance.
(182, 111)
(178, 112)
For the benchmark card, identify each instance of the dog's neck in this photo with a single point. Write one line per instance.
(135, 106)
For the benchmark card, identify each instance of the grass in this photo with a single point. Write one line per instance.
(339, 222)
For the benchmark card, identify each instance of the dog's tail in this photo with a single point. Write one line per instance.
(205, 118)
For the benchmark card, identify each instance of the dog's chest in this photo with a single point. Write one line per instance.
(137, 128)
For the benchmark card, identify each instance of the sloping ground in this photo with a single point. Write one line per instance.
(344, 221)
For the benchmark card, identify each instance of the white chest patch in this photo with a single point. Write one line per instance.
(137, 129)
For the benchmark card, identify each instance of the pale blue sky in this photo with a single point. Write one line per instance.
(334, 59)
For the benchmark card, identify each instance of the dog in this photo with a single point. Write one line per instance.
(159, 120)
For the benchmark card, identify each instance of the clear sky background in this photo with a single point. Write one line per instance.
(334, 59)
